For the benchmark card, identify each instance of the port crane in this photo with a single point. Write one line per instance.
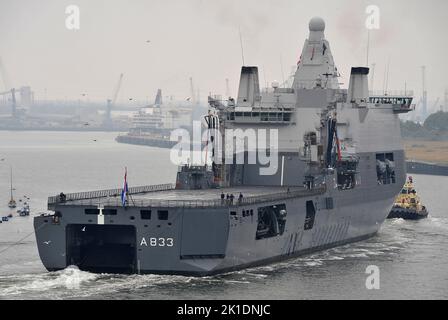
(11, 92)
(111, 102)
(194, 96)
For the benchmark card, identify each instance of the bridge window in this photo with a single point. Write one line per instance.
(264, 116)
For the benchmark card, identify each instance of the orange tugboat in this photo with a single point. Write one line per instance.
(407, 204)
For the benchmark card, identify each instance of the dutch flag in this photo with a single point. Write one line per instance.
(124, 192)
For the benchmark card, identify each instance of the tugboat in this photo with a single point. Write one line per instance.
(407, 204)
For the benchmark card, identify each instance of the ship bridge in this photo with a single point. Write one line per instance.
(401, 101)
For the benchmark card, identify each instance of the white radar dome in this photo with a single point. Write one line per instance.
(317, 24)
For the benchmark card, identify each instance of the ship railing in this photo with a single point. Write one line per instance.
(392, 93)
(218, 203)
(280, 196)
(91, 195)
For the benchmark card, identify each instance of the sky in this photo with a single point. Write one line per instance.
(200, 39)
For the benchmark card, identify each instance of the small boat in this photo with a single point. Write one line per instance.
(24, 211)
(12, 203)
(408, 205)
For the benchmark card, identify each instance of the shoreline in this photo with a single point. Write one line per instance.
(429, 152)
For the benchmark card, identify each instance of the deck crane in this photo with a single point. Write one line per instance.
(111, 102)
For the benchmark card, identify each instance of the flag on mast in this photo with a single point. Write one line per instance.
(124, 192)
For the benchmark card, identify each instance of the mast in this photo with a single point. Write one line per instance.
(11, 186)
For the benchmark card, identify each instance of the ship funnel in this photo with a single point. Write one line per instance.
(249, 91)
(358, 90)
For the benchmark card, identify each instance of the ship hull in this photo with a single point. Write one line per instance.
(240, 250)
(208, 241)
(217, 271)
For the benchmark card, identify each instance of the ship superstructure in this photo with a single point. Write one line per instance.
(320, 167)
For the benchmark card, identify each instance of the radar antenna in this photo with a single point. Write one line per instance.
(241, 43)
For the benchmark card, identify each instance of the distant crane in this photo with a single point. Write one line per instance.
(12, 92)
(228, 94)
(372, 77)
(194, 99)
(445, 107)
(111, 102)
(4, 76)
(434, 107)
(424, 94)
(9, 90)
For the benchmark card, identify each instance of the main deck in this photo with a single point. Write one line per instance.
(168, 196)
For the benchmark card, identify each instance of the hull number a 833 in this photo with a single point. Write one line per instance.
(157, 242)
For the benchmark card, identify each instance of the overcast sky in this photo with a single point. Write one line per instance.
(200, 39)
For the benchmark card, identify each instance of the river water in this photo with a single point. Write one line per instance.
(412, 257)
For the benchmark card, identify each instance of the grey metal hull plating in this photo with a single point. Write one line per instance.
(210, 241)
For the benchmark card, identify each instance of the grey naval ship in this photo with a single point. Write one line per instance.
(340, 165)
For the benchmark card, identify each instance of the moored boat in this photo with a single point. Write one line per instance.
(24, 211)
